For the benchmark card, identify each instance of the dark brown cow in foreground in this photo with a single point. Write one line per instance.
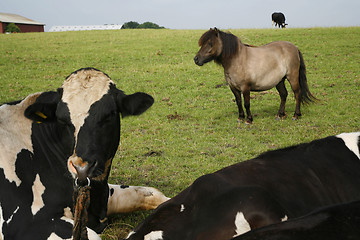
(271, 188)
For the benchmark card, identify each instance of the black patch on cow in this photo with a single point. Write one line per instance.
(46, 104)
(111, 191)
(124, 186)
(12, 196)
(99, 136)
(331, 223)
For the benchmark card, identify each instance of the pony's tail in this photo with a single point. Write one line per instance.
(306, 96)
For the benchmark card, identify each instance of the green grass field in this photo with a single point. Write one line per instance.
(192, 128)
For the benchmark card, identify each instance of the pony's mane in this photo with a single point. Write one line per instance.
(230, 43)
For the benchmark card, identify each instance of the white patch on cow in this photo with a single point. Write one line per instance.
(15, 132)
(38, 190)
(53, 236)
(12, 215)
(154, 235)
(92, 235)
(129, 235)
(182, 208)
(285, 218)
(1, 223)
(133, 198)
(68, 213)
(242, 226)
(351, 141)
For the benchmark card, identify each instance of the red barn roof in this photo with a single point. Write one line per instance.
(14, 18)
(25, 24)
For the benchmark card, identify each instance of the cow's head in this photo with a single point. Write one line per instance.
(86, 112)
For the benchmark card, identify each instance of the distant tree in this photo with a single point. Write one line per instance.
(11, 27)
(149, 25)
(130, 25)
(133, 25)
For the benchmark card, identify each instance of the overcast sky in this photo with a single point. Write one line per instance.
(188, 14)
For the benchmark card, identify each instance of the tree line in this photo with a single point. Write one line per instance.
(136, 25)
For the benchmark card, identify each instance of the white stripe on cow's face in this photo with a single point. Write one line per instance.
(351, 141)
(242, 226)
(38, 190)
(154, 235)
(80, 91)
(15, 132)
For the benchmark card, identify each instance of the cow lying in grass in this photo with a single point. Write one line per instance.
(271, 188)
(53, 142)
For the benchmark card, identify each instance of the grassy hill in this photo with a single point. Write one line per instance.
(192, 128)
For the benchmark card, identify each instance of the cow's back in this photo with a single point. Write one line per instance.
(302, 177)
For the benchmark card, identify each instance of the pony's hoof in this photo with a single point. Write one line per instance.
(294, 118)
(280, 116)
(248, 122)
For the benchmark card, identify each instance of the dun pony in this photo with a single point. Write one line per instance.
(248, 68)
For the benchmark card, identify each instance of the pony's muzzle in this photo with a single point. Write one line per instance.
(197, 61)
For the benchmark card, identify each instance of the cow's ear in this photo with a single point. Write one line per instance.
(134, 104)
(44, 108)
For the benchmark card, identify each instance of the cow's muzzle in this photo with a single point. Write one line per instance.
(81, 170)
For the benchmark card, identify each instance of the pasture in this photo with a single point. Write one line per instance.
(192, 127)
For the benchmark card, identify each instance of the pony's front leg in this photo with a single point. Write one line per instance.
(237, 95)
(124, 199)
(246, 93)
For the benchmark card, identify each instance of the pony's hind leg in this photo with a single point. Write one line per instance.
(237, 95)
(283, 95)
(295, 86)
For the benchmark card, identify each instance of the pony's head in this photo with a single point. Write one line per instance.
(210, 47)
(216, 45)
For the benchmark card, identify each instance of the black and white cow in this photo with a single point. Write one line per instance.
(278, 19)
(335, 222)
(48, 140)
(271, 188)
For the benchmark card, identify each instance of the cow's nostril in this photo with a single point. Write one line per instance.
(82, 171)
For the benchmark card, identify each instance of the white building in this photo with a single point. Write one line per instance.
(85, 28)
